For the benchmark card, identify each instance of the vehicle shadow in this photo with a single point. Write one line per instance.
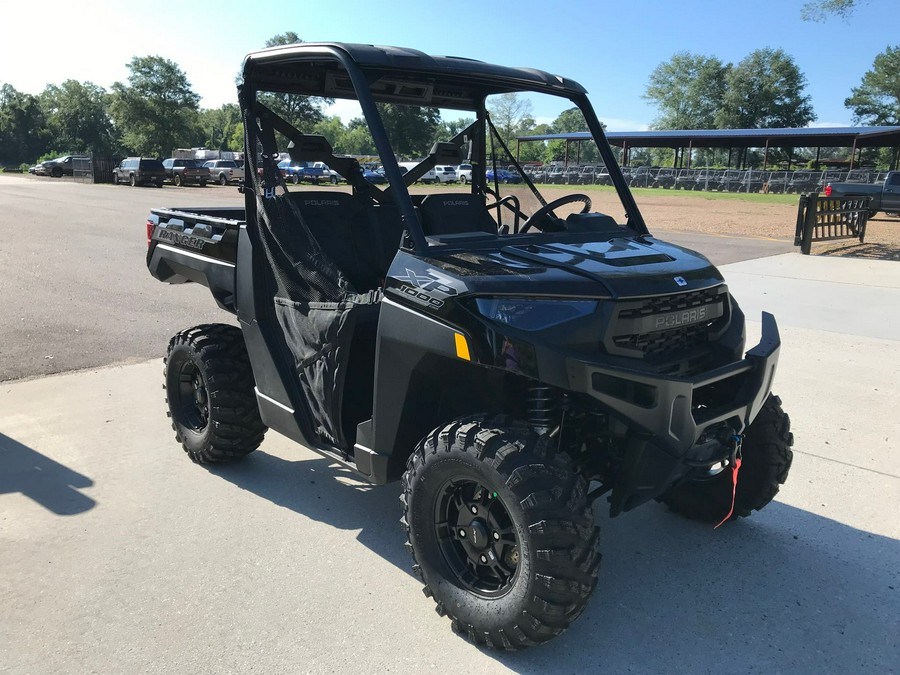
(41, 479)
(323, 491)
(786, 590)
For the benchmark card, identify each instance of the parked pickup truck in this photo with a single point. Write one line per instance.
(884, 197)
(185, 171)
(328, 174)
(223, 171)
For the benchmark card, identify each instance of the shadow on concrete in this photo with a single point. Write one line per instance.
(45, 481)
(328, 493)
(867, 250)
(786, 590)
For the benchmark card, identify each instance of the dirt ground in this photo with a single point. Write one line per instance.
(753, 219)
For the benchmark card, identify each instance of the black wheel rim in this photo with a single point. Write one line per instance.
(477, 537)
(193, 397)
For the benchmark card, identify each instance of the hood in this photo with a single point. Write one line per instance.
(625, 267)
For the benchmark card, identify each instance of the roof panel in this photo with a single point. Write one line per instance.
(700, 138)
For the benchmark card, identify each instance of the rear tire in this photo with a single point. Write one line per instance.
(766, 461)
(132, 181)
(500, 531)
(177, 180)
(209, 392)
(223, 179)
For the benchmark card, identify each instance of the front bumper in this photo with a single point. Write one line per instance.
(678, 423)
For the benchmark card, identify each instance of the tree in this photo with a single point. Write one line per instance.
(332, 129)
(157, 110)
(449, 129)
(356, 140)
(688, 91)
(411, 129)
(304, 112)
(511, 114)
(764, 91)
(24, 135)
(218, 126)
(820, 10)
(535, 151)
(876, 100)
(77, 117)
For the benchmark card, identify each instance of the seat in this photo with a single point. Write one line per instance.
(334, 220)
(455, 213)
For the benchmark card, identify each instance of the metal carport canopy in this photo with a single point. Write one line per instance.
(807, 137)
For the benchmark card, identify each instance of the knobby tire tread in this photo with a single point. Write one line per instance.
(558, 520)
(235, 428)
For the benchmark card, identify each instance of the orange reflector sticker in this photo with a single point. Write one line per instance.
(462, 347)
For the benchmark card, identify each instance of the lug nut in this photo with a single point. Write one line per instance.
(484, 559)
(475, 510)
(462, 533)
(496, 536)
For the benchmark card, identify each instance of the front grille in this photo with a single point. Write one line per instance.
(668, 327)
(664, 341)
(670, 303)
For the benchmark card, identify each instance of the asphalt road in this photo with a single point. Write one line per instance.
(74, 288)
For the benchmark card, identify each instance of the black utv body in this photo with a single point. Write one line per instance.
(510, 358)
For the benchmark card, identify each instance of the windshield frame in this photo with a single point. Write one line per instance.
(360, 72)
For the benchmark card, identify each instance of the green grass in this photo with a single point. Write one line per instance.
(688, 194)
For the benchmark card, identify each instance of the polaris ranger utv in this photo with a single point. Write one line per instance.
(510, 356)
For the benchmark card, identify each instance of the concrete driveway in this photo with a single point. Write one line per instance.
(119, 555)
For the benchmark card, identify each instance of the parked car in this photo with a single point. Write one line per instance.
(464, 173)
(503, 176)
(884, 197)
(374, 177)
(185, 171)
(328, 173)
(223, 171)
(428, 177)
(61, 166)
(555, 175)
(664, 178)
(445, 174)
(139, 171)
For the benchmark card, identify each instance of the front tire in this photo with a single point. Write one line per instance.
(500, 531)
(766, 461)
(210, 394)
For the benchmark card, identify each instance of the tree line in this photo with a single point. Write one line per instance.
(156, 110)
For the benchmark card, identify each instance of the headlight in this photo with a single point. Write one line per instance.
(528, 314)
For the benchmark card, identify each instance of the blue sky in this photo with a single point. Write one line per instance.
(609, 47)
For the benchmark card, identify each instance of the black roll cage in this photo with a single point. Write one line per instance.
(397, 71)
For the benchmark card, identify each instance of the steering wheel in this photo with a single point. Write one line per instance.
(545, 210)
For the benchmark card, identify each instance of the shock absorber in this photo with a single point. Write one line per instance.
(542, 405)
